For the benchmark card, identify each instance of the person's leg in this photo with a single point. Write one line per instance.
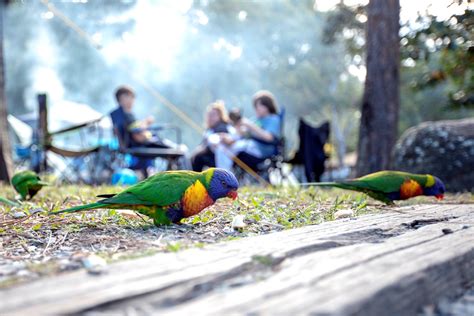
(156, 144)
(202, 158)
(197, 162)
(250, 160)
(223, 157)
(140, 163)
(163, 143)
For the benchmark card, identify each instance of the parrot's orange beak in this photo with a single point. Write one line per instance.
(232, 194)
(439, 196)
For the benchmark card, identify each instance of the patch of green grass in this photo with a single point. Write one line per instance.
(175, 246)
(117, 235)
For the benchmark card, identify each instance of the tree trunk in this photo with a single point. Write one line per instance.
(6, 165)
(379, 120)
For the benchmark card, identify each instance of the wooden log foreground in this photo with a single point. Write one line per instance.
(391, 263)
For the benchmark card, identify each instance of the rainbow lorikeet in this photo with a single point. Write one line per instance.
(27, 183)
(170, 196)
(387, 186)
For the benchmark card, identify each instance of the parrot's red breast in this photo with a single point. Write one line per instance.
(410, 188)
(195, 199)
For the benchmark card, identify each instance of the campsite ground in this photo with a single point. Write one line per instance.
(34, 245)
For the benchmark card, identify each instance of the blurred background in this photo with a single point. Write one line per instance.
(310, 54)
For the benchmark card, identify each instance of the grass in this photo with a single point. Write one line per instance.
(34, 244)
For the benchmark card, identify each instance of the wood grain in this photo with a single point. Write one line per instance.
(390, 263)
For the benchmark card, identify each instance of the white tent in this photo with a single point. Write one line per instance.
(23, 131)
(64, 114)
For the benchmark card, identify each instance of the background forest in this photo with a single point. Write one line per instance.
(311, 57)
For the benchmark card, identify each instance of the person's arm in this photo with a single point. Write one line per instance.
(147, 122)
(257, 131)
(137, 132)
(140, 137)
(227, 139)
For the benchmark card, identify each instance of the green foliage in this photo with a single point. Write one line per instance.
(347, 24)
(450, 44)
(437, 73)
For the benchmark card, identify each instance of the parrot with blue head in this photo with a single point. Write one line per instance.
(170, 196)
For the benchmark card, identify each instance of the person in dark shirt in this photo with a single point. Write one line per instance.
(217, 126)
(133, 132)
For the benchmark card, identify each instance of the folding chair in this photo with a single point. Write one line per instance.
(144, 156)
(271, 169)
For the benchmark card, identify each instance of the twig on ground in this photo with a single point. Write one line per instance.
(24, 247)
(49, 242)
(15, 221)
(142, 218)
(63, 239)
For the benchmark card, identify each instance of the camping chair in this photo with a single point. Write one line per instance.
(142, 157)
(311, 153)
(271, 169)
(79, 165)
(72, 166)
(89, 160)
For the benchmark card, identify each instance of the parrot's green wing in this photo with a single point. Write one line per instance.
(162, 189)
(382, 181)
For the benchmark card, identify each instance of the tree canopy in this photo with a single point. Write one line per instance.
(437, 58)
(226, 50)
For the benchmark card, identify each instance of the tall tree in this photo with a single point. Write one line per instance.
(5, 152)
(380, 103)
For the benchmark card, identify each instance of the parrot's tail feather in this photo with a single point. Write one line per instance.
(91, 206)
(320, 184)
(8, 202)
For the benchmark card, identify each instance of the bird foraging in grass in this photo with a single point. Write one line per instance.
(27, 183)
(388, 186)
(170, 196)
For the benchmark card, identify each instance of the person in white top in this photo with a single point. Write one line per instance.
(213, 152)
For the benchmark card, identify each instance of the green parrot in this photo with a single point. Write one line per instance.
(170, 196)
(387, 186)
(27, 183)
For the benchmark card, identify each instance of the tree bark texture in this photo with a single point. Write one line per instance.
(380, 103)
(6, 165)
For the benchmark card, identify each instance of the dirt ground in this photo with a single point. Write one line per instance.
(34, 244)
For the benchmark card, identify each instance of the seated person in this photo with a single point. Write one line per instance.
(217, 125)
(135, 133)
(260, 138)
